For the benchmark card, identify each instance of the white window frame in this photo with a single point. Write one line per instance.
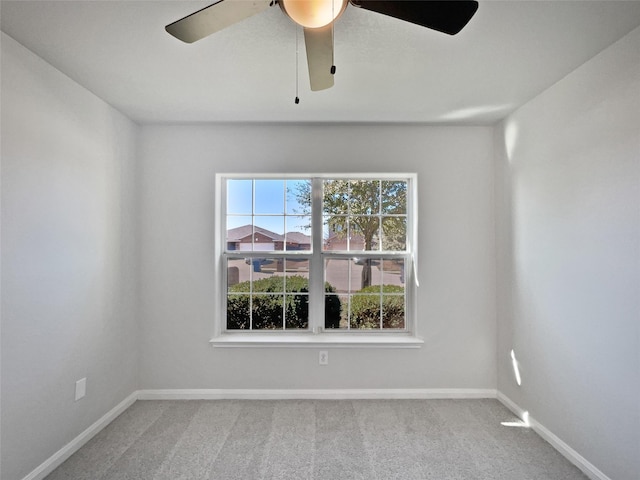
(317, 336)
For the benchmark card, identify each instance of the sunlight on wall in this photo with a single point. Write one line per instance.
(510, 138)
(516, 370)
(478, 112)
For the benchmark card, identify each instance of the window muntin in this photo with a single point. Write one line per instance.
(361, 259)
(368, 301)
(265, 215)
(267, 293)
(364, 214)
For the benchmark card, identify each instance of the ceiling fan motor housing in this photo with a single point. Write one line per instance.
(313, 13)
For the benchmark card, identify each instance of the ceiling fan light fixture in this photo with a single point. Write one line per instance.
(313, 13)
(317, 17)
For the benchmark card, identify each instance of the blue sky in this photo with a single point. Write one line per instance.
(271, 200)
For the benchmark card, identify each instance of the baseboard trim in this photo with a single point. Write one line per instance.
(315, 394)
(74, 445)
(510, 404)
(556, 442)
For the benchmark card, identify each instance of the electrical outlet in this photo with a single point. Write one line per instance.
(323, 358)
(81, 388)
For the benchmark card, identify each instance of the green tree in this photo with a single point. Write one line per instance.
(373, 209)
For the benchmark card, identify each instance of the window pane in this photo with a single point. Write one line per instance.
(336, 233)
(393, 272)
(266, 310)
(394, 197)
(269, 196)
(263, 277)
(336, 311)
(297, 282)
(268, 301)
(393, 311)
(364, 233)
(297, 312)
(297, 275)
(360, 273)
(394, 233)
(238, 307)
(240, 196)
(365, 311)
(370, 290)
(264, 236)
(298, 230)
(268, 233)
(238, 275)
(236, 221)
(364, 197)
(335, 197)
(376, 274)
(239, 230)
(336, 274)
(298, 197)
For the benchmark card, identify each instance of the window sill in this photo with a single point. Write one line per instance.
(334, 340)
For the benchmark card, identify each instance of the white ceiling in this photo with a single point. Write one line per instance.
(387, 70)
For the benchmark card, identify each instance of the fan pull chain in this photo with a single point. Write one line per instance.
(297, 99)
(333, 39)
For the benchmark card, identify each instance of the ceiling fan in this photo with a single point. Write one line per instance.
(317, 17)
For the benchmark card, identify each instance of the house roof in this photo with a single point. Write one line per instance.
(298, 237)
(238, 233)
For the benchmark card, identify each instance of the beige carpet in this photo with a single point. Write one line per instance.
(316, 439)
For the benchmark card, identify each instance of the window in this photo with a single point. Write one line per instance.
(316, 255)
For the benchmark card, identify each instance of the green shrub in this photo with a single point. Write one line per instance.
(365, 307)
(332, 308)
(267, 305)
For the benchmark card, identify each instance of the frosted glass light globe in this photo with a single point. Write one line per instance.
(313, 13)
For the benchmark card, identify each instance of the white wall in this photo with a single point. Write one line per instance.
(68, 259)
(568, 197)
(457, 258)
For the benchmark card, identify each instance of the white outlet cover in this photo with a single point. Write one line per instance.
(323, 358)
(81, 388)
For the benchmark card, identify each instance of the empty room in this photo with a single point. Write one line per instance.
(320, 239)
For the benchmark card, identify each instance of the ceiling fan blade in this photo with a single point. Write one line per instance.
(214, 18)
(447, 16)
(319, 44)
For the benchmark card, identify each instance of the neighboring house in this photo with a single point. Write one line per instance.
(298, 241)
(250, 237)
(242, 238)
